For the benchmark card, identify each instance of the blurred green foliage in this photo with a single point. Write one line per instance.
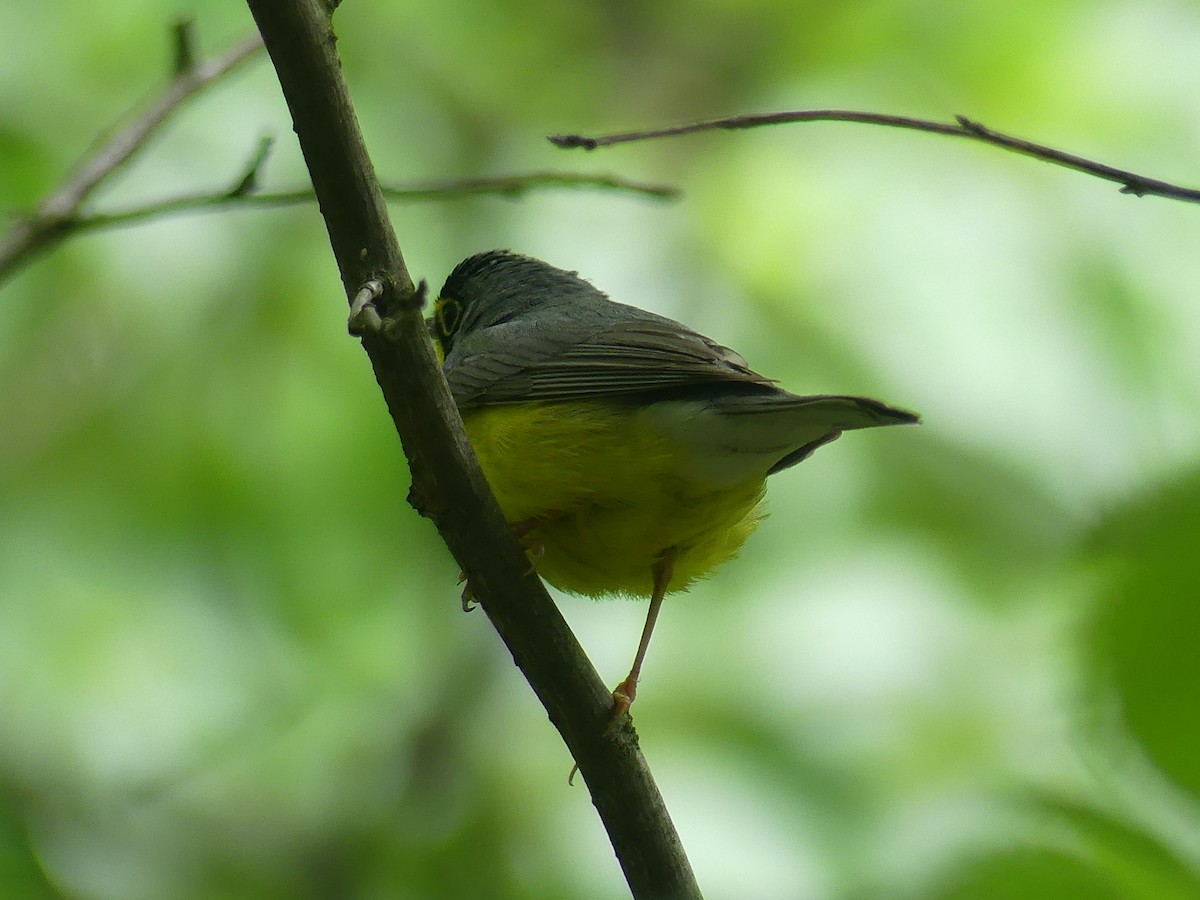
(956, 662)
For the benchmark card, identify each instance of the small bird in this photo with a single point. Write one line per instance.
(628, 452)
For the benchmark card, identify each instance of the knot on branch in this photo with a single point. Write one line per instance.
(572, 141)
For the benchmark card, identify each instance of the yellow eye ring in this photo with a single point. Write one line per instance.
(447, 312)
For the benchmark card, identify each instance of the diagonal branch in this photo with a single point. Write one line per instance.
(1131, 182)
(50, 222)
(447, 483)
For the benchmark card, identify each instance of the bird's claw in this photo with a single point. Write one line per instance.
(535, 550)
(468, 593)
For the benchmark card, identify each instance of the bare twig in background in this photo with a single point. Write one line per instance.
(61, 215)
(242, 197)
(447, 483)
(518, 185)
(1131, 182)
(50, 222)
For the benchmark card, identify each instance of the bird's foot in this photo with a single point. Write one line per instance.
(535, 548)
(468, 593)
(623, 696)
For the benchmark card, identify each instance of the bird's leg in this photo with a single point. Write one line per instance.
(533, 547)
(626, 691)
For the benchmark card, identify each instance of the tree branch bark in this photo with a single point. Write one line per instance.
(447, 483)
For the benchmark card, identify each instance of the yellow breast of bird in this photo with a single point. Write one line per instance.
(610, 491)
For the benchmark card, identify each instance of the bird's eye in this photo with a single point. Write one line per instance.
(448, 315)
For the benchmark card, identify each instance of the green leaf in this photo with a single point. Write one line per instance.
(1027, 874)
(1147, 631)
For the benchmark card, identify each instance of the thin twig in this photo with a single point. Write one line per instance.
(518, 185)
(185, 52)
(1131, 182)
(247, 183)
(49, 223)
(508, 186)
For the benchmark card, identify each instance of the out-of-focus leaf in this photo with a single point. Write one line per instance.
(21, 874)
(1027, 874)
(983, 509)
(1120, 314)
(1147, 632)
(1134, 858)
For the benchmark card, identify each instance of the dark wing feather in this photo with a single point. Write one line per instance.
(578, 357)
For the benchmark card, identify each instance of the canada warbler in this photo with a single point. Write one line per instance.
(629, 452)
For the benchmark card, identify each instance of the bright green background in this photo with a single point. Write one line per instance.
(957, 661)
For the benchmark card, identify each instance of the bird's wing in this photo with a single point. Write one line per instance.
(636, 353)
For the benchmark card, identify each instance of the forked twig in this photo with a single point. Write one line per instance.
(62, 214)
(50, 222)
